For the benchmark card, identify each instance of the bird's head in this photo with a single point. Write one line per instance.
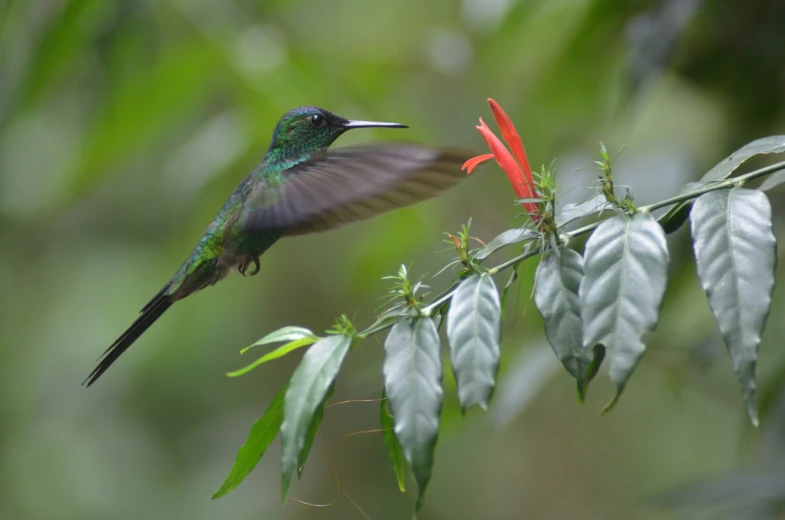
(308, 128)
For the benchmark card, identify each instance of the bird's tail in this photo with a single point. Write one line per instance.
(149, 314)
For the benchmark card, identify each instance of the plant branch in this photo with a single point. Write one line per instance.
(713, 186)
(717, 185)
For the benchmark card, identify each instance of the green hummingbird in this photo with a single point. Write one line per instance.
(299, 187)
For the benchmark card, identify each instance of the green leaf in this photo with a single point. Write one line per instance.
(626, 271)
(284, 334)
(308, 387)
(474, 332)
(571, 212)
(413, 384)
(678, 214)
(556, 297)
(771, 144)
(511, 236)
(275, 354)
(735, 253)
(315, 423)
(394, 450)
(262, 434)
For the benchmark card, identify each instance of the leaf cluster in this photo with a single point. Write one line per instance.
(596, 306)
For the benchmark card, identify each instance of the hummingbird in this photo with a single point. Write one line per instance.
(299, 187)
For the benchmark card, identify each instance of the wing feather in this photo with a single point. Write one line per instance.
(350, 184)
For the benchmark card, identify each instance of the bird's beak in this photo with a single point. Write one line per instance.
(372, 124)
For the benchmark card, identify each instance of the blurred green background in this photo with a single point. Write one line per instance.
(125, 124)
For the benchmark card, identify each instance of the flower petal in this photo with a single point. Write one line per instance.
(510, 134)
(472, 163)
(506, 162)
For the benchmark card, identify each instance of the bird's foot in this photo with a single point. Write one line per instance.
(256, 266)
(243, 266)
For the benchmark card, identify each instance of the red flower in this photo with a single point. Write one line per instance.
(517, 168)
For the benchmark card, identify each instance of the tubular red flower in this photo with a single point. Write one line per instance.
(510, 134)
(506, 162)
(516, 167)
(472, 163)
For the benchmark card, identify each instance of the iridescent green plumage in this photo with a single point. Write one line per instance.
(299, 187)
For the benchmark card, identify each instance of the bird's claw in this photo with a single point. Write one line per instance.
(243, 267)
(256, 266)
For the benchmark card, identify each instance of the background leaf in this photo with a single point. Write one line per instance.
(509, 237)
(521, 382)
(308, 387)
(772, 181)
(394, 450)
(678, 214)
(626, 271)
(262, 434)
(556, 297)
(508, 286)
(413, 383)
(771, 144)
(735, 253)
(474, 332)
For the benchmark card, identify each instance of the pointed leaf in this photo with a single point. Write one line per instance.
(588, 207)
(275, 354)
(394, 450)
(308, 387)
(284, 334)
(556, 297)
(735, 253)
(413, 383)
(262, 434)
(677, 215)
(511, 236)
(626, 271)
(771, 144)
(315, 423)
(474, 332)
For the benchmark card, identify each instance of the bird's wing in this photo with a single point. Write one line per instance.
(349, 184)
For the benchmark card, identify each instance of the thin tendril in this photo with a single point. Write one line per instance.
(361, 432)
(354, 401)
(335, 474)
(356, 506)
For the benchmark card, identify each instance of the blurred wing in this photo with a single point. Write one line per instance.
(350, 184)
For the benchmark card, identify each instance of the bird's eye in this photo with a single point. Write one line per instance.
(317, 120)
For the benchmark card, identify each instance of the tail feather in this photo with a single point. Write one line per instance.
(149, 314)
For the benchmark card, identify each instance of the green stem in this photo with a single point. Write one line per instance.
(719, 185)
